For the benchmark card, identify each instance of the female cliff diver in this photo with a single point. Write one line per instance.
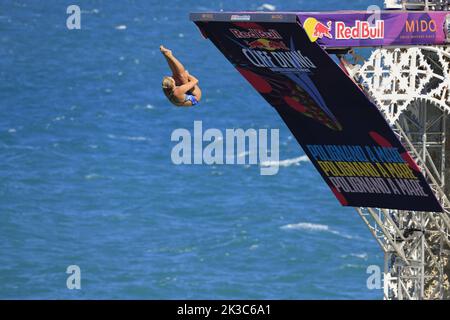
(181, 89)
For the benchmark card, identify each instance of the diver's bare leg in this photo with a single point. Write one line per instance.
(178, 70)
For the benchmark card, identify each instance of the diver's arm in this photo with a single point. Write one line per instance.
(186, 87)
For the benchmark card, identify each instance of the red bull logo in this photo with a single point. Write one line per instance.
(269, 45)
(360, 30)
(317, 30)
(321, 30)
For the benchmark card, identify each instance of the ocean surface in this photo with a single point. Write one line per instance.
(86, 176)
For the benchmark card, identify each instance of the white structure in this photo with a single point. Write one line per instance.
(411, 86)
(393, 4)
(417, 4)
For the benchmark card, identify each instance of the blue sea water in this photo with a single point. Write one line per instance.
(86, 176)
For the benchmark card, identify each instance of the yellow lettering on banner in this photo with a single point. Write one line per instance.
(349, 169)
(382, 170)
(360, 169)
(400, 170)
(329, 168)
(408, 172)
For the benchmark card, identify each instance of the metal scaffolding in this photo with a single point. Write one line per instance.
(411, 86)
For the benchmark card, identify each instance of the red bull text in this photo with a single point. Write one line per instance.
(256, 33)
(362, 30)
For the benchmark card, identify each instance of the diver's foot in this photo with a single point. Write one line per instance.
(165, 51)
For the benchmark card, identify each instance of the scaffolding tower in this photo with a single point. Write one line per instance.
(411, 86)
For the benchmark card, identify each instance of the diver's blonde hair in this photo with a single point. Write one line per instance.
(167, 83)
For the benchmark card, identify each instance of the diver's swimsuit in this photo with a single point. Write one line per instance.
(191, 98)
(187, 97)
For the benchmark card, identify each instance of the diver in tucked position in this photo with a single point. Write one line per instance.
(181, 89)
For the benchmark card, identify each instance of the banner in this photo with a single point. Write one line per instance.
(360, 29)
(340, 129)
